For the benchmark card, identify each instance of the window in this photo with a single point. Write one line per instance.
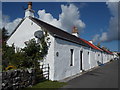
(88, 53)
(72, 57)
(89, 57)
(57, 54)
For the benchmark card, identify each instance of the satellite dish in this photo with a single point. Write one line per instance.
(38, 34)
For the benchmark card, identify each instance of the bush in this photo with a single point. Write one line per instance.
(7, 54)
(25, 58)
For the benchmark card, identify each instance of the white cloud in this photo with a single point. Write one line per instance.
(5, 22)
(10, 26)
(47, 17)
(96, 38)
(4, 19)
(113, 0)
(69, 17)
(104, 37)
(113, 31)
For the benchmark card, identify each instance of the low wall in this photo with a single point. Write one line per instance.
(16, 79)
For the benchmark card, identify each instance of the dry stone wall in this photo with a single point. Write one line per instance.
(16, 79)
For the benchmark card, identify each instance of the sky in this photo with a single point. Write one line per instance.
(96, 21)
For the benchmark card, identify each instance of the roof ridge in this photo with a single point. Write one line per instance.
(51, 25)
(92, 45)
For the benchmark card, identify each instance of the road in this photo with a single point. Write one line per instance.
(103, 77)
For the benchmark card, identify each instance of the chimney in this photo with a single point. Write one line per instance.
(75, 31)
(29, 11)
(29, 5)
(91, 41)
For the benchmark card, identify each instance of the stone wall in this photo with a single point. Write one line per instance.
(16, 79)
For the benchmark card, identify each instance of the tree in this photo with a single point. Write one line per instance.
(32, 52)
(35, 51)
(7, 54)
(26, 57)
(5, 34)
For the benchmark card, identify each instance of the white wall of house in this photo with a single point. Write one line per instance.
(62, 68)
(105, 57)
(93, 58)
(24, 33)
(86, 58)
(108, 57)
(49, 59)
(99, 56)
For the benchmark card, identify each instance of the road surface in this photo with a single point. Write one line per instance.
(103, 77)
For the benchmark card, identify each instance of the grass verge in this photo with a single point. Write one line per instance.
(48, 84)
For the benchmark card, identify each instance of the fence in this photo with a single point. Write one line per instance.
(45, 68)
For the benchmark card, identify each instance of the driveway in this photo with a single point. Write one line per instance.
(105, 76)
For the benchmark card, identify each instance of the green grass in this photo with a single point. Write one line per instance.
(48, 84)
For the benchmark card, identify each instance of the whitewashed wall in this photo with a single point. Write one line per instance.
(49, 59)
(24, 33)
(62, 68)
(105, 57)
(99, 56)
(93, 58)
(86, 59)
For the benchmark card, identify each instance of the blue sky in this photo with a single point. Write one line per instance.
(95, 15)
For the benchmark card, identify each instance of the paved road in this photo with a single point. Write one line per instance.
(103, 77)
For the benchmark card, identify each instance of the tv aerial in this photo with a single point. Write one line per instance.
(38, 34)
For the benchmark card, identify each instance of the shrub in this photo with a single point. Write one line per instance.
(24, 58)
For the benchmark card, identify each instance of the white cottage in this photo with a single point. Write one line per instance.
(67, 54)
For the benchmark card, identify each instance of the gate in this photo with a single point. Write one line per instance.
(45, 68)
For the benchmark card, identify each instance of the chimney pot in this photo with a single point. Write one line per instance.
(75, 31)
(29, 11)
(29, 5)
(91, 41)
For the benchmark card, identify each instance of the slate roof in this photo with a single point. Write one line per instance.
(56, 32)
(64, 35)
